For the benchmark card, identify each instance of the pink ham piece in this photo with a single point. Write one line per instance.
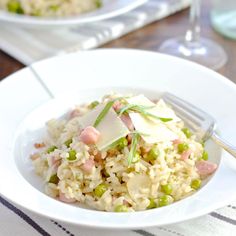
(117, 106)
(74, 113)
(63, 198)
(205, 167)
(89, 135)
(88, 165)
(185, 155)
(127, 121)
(176, 141)
(126, 203)
(55, 162)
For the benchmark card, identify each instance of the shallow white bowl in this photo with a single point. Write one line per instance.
(110, 8)
(49, 88)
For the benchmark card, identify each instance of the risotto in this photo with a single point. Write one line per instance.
(50, 7)
(122, 154)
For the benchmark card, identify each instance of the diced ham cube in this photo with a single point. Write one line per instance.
(55, 162)
(63, 198)
(88, 165)
(126, 203)
(205, 167)
(127, 121)
(90, 135)
(74, 113)
(185, 155)
(117, 106)
(176, 141)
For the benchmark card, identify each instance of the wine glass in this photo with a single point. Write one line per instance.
(194, 47)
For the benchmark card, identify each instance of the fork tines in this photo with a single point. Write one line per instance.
(196, 119)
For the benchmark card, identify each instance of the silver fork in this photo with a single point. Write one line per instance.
(201, 123)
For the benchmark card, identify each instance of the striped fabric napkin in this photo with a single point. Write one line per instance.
(30, 45)
(15, 221)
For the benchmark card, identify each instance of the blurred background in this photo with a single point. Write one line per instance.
(142, 24)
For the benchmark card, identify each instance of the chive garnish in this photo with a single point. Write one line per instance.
(133, 107)
(132, 152)
(138, 132)
(142, 110)
(105, 111)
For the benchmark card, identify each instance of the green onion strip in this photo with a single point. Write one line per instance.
(133, 147)
(105, 111)
(142, 110)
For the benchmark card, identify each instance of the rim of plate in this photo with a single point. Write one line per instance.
(138, 215)
(120, 7)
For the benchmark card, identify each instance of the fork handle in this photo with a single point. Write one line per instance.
(224, 144)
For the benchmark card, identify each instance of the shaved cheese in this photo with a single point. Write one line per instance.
(160, 109)
(156, 130)
(111, 127)
(140, 100)
(151, 131)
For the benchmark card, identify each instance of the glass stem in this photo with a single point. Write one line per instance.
(193, 33)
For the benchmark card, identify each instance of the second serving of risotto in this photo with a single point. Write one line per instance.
(122, 154)
(50, 7)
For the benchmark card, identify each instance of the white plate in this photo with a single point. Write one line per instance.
(25, 105)
(110, 8)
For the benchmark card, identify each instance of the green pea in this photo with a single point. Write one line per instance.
(37, 12)
(204, 155)
(15, 7)
(51, 149)
(54, 7)
(167, 189)
(196, 184)
(98, 3)
(153, 154)
(152, 204)
(54, 179)
(100, 190)
(119, 143)
(187, 132)
(122, 143)
(121, 208)
(182, 147)
(93, 104)
(136, 158)
(164, 200)
(68, 142)
(72, 155)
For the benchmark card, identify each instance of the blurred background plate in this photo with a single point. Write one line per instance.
(110, 8)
